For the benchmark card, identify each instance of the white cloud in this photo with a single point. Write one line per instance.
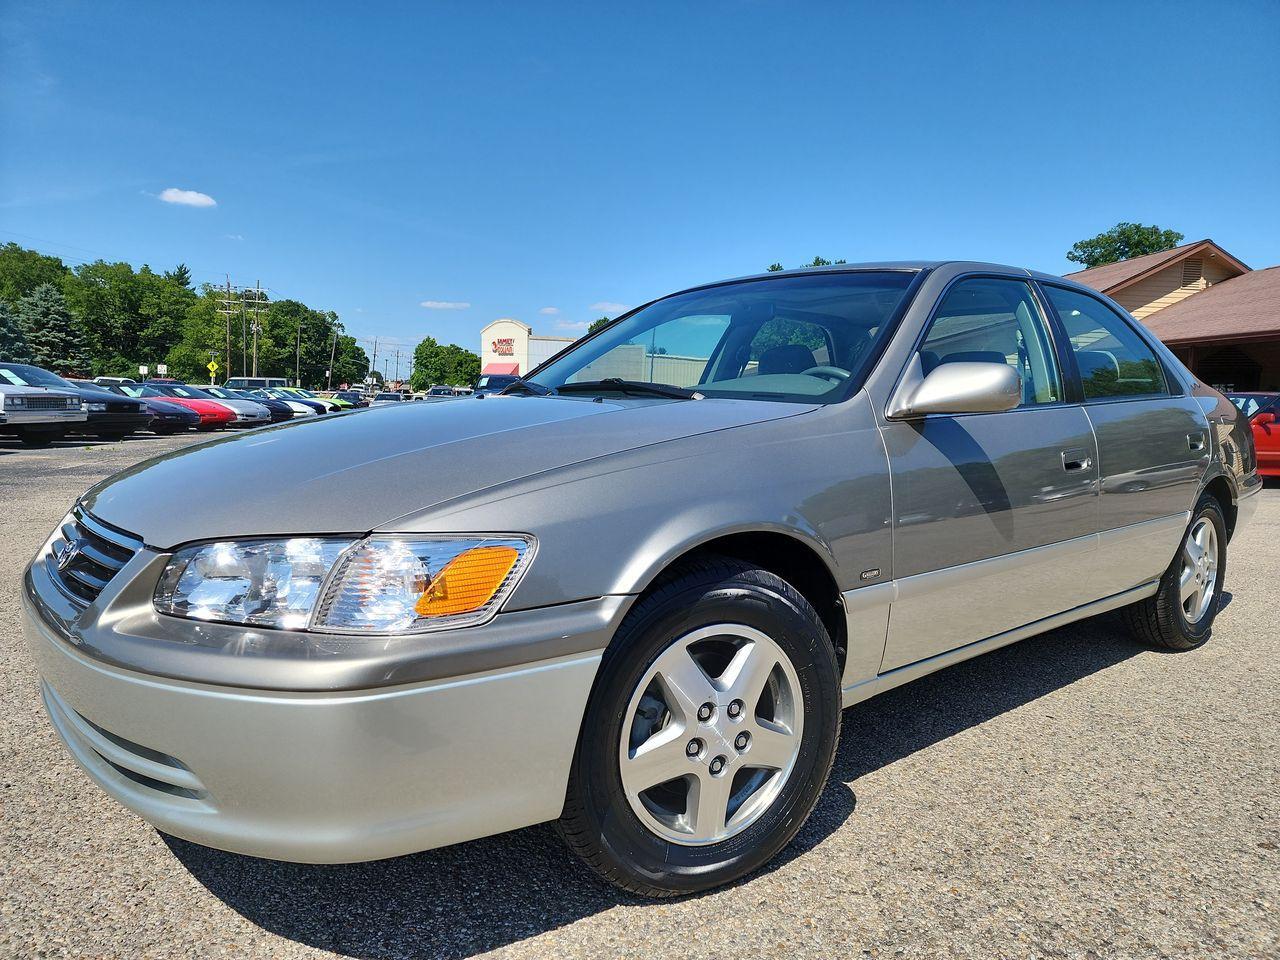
(572, 324)
(235, 236)
(187, 198)
(549, 311)
(445, 304)
(607, 306)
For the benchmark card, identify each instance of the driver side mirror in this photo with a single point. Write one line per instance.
(1265, 419)
(960, 387)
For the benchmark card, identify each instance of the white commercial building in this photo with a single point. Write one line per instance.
(511, 347)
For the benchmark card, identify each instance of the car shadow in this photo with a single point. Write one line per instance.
(470, 898)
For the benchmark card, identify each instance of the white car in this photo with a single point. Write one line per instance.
(38, 415)
(382, 399)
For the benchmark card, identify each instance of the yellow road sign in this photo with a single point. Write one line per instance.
(213, 367)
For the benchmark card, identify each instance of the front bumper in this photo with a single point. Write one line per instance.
(44, 418)
(321, 776)
(113, 422)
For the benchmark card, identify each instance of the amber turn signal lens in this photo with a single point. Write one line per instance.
(467, 582)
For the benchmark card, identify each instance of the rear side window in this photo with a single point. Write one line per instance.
(992, 320)
(1113, 360)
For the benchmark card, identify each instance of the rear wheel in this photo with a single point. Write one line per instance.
(710, 733)
(113, 435)
(1180, 614)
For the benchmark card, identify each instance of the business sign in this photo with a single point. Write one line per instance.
(504, 346)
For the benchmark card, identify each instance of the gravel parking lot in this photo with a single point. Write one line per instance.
(1071, 796)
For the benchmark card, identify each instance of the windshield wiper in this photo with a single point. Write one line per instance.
(527, 386)
(618, 385)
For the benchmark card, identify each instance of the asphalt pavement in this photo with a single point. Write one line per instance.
(1074, 795)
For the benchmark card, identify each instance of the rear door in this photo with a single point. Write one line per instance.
(995, 514)
(1153, 439)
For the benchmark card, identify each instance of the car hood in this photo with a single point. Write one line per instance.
(243, 406)
(353, 472)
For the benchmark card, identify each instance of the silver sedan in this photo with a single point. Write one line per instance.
(633, 591)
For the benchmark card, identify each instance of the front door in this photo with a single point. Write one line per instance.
(995, 515)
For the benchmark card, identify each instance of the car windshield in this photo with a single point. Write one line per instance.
(25, 375)
(388, 396)
(185, 391)
(802, 338)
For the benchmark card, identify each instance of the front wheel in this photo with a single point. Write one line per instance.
(709, 735)
(36, 437)
(1179, 616)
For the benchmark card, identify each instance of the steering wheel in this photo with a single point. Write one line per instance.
(834, 374)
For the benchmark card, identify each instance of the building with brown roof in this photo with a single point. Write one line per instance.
(1220, 317)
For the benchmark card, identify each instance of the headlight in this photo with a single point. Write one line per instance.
(378, 585)
(93, 407)
(15, 402)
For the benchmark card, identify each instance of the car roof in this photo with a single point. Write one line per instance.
(910, 266)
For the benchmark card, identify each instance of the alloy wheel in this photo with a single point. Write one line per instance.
(1198, 579)
(711, 733)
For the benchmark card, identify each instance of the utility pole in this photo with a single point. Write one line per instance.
(257, 300)
(397, 367)
(297, 364)
(225, 308)
(373, 364)
(333, 354)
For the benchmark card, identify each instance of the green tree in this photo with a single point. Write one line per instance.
(22, 270)
(598, 324)
(1122, 242)
(181, 275)
(13, 343)
(131, 317)
(443, 363)
(816, 262)
(56, 339)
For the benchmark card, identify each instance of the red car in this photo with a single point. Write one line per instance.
(1263, 411)
(212, 414)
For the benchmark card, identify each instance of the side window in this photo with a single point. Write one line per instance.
(782, 345)
(995, 321)
(1113, 360)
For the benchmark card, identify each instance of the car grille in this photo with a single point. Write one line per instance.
(124, 407)
(43, 403)
(86, 554)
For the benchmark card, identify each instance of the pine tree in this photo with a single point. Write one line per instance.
(13, 344)
(55, 338)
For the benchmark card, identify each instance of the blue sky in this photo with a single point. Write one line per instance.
(522, 158)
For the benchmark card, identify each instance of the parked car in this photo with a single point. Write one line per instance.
(638, 588)
(1263, 411)
(246, 413)
(38, 410)
(250, 411)
(112, 381)
(213, 414)
(114, 415)
(167, 416)
(330, 404)
(255, 383)
(443, 393)
(299, 405)
(353, 397)
(494, 383)
(280, 411)
(381, 399)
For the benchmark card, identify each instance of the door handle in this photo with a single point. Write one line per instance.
(1076, 460)
(1195, 442)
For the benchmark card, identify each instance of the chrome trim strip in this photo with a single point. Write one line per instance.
(124, 541)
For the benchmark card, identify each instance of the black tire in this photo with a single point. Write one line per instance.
(598, 822)
(32, 437)
(113, 436)
(1160, 620)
